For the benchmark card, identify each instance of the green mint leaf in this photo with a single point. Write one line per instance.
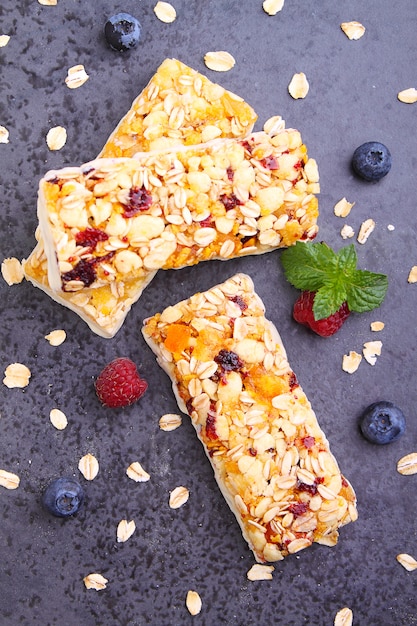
(366, 290)
(328, 300)
(347, 260)
(333, 277)
(307, 265)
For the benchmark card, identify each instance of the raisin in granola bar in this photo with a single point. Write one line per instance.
(178, 106)
(271, 459)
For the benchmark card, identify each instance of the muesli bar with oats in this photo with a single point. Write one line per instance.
(178, 106)
(271, 460)
(109, 223)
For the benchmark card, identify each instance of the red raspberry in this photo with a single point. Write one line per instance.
(303, 314)
(119, 384)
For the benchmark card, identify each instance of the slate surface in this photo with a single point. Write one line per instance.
(352, 99)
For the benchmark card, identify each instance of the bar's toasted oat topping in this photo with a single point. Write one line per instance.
(271, 459)
(179, 106)
(111, 222)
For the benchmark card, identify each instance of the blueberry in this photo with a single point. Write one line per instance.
(122, 31)
(382, 422)
(371, 161)
(63, 497)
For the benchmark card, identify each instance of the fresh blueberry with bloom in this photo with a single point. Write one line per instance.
(382, 422)
(372, 161)
(63, 497)
(122, 32)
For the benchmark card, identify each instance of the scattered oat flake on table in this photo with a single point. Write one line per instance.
(412, 276)
(4, 135)
(178, 497)
(48, 3)
(4, 40)
(377, 326)
(298, 87)
(58, 419)
(367, 227)
(125, 530)
(351, 362)
(371, 350)
(260, 572)
(347, 232)
(95, 581)
(353, 30)
(56, 138)
(16, 375)
(165, 12)
(343, 208)
(407, 465)
(88, 466)
(272, 7)
(193, 602)
(409, 96)
(407, 561)
(12, 271)
(76, 77)
(274, 125)
(170, 421)
(136, 472)
(344, 617)
(9, 480)
(219, 61)
(56, 337)
(391, 227)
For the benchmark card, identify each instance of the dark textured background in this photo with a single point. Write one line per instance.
(352, 99)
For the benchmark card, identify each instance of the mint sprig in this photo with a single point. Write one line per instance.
(334, 278)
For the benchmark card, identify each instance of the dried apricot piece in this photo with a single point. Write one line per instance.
(178, 338)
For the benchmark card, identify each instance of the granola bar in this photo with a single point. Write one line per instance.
(178, 106)
(271, 459)
(112, 221)
(104, 310)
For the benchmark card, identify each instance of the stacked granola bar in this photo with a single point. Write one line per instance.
(166, 200)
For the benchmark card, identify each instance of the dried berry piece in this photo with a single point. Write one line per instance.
(270, 163)
(228, 360)
(139, 200)
(298, 508)
(230, 202)
(241, 303)
(89, 237)
(84, 272)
